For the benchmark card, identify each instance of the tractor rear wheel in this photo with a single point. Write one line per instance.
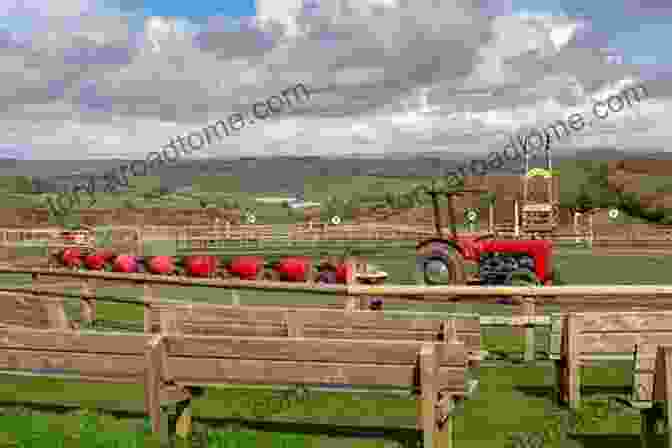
(445, 270)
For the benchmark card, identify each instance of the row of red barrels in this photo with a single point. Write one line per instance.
(246, 267)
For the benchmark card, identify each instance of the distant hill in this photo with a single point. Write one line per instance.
(287, 174)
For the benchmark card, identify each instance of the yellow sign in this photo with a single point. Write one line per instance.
(534, 172)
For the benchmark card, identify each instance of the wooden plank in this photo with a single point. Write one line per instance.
(327, 318)
(472, 342)
(69, 341)
(306, 349)
(95, 366)
(627, 321)
(200, 371)
(644, 304)
(622, 342)
(214, 329)
(224, 313)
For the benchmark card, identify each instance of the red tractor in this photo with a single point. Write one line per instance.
(441, 261)
(500, 262)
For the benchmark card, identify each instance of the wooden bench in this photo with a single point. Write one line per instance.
(626, 336)
(32, 311)
(211, 319)
(436, 371)
(90, 357)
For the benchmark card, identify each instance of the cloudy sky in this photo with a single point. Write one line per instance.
(89, 79)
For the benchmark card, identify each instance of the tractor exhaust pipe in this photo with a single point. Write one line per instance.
(437, 216)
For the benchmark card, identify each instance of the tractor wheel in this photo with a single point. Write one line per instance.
(444, 270)
(522, 277)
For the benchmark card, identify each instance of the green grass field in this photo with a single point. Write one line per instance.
(500, 408)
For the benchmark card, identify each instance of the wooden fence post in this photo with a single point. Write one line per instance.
(87, 304)
(56, 315)
(294, 324)
(169, 322)
(572, 362)
(139, 249)
(529, 319)
(491, 218)
(235, 297)
(449, 331)
(434, 436)
(154, 355)
(147, 297)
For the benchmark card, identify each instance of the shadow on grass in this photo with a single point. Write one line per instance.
(398, 430)
(550, 392)
(610, 440)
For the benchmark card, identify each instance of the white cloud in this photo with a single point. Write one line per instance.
(386, 76)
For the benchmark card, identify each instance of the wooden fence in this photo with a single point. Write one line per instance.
(326, 231)
(196, 236)
(528, 302)
(136, 240)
